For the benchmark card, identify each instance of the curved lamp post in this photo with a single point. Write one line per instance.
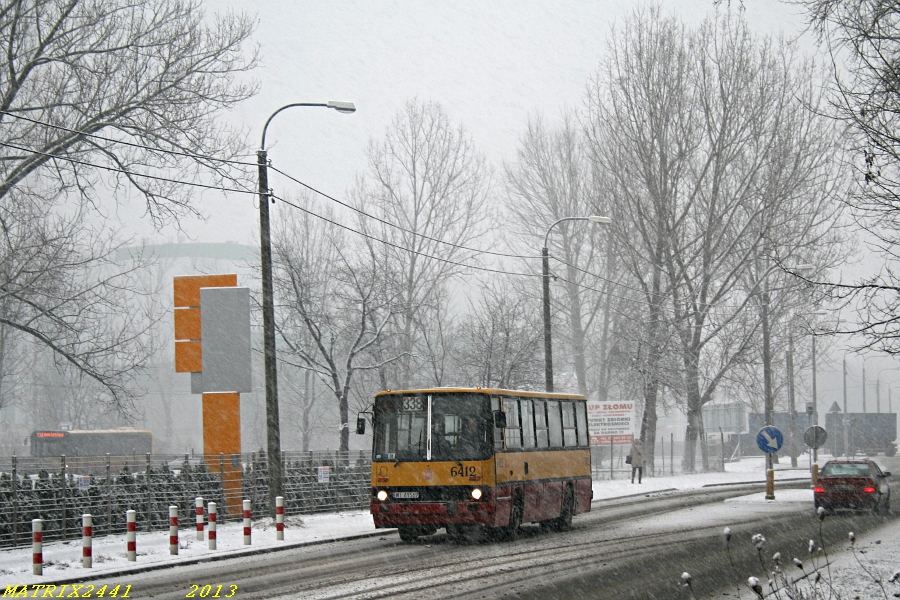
(865, 358)
(878, 387)
(845, 423)
(545, 258)
(273, 430)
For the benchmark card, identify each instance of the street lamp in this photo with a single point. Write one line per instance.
(273, 430)
(792, 407)
(768, 391)
(815, 400)
(878, 387)
(545, 256)
(865, 358)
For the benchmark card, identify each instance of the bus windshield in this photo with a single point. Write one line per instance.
(459, 427)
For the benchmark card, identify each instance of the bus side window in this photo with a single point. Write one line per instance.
(513, 423)
(527, 423)
(555, 423)
(540, 424)
(581, 420)
(496, 406)
(568, 423)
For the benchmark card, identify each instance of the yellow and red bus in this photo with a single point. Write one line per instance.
(475, 460)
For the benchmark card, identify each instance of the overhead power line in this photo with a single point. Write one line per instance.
(127, 172)
(127, 143)
(395, 226)
(464, 265)
(327, 196)
(399, 247)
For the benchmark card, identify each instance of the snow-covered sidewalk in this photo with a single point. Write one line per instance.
(747, 470)
(62, 560)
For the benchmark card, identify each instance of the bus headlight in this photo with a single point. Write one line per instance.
(381, 495)
(476, 494)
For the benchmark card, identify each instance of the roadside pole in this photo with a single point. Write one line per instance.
(769, 439)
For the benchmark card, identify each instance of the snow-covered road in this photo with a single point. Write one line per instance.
(605, 544)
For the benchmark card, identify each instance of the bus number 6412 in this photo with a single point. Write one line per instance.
(462, 471)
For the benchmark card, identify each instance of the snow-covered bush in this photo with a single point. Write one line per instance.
(811, 580)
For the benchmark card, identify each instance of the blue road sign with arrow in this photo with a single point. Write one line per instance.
(769, 439)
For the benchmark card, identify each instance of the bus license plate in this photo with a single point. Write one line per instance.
(406, 494)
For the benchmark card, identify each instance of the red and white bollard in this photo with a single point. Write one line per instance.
(131, 534)
(198, 503)
(87, 536)
(246, 522)
(173, 529)
(212, 525)
(279, 518)
(37, 547)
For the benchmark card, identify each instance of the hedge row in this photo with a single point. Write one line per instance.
(61, 500)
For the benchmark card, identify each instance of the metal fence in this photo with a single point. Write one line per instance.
(60, 489)
(667, 458)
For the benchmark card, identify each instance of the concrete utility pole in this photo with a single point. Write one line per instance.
(791, 403)
(545, 293)
(273, 427)
(815, 402)
(845, 425)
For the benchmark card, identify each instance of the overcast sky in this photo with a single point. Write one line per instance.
(490, 64)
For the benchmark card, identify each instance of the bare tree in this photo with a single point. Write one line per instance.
(304, 409)
(863, 39)
(13, 363)
(61, 395)
(334, 305)
(551, 180)
(119, 96)
(501, 338)
(118, 87)
(64, 289)
(731, 156)
(427, 181)
(642, 134)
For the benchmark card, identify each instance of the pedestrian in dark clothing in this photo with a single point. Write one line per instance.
(637, 459)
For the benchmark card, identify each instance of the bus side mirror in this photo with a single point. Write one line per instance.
(360, 425)
(499, 419)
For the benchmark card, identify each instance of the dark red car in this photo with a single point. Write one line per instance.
(858, 484)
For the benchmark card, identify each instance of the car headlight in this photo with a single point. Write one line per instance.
(381, 495)
(476, 493)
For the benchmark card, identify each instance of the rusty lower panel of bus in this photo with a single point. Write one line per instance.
(449, 505)
(441, 493)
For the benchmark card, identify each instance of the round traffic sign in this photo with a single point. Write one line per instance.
(815, 437)
(769, 439)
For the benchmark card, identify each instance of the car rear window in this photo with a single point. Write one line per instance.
(845, 469)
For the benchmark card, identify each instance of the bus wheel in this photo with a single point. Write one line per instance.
(408, 533)
(453, 532)
(564, 521)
